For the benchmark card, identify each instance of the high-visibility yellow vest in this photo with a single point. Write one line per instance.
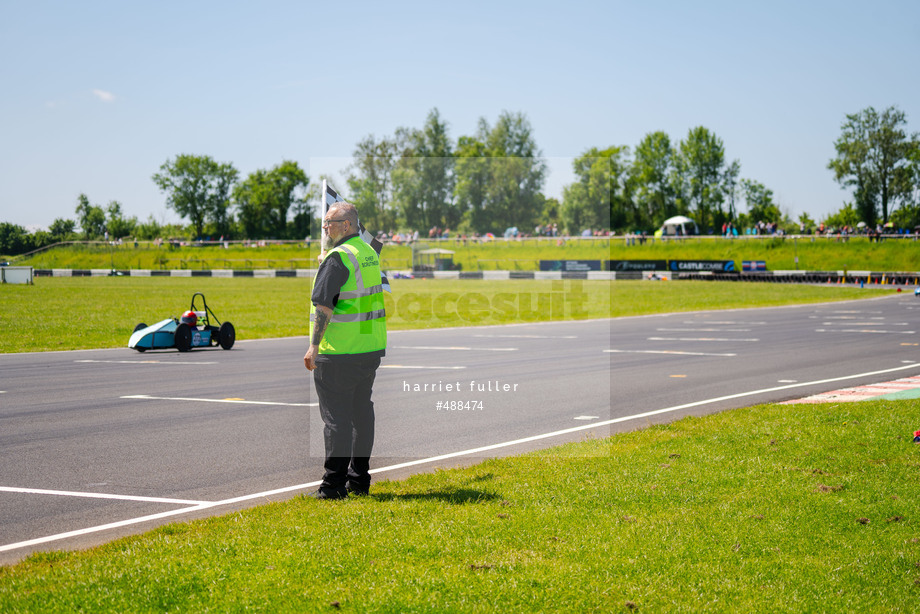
(359, 322)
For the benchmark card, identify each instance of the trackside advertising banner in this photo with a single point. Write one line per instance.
(570, 265)
(753, 265)
(638, 265)
(696, 266)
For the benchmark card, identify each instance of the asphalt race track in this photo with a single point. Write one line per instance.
(103, 443)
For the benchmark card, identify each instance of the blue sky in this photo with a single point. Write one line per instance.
(97, 95)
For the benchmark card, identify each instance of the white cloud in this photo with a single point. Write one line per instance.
(104, 96)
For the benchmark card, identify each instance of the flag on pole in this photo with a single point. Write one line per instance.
(330, 196)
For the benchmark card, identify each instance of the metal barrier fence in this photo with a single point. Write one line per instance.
(898, 278)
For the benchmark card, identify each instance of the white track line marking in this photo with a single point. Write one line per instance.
(704, 330)
(98, 495)
(864, 330)
(147, 397)
(647, 414)
(856, 311)
(529, 336)
(865, 323)
(150, 362)
(447, 347)
(433, 459)
(415, 367)
(112, 525)
(698, 339)
(151, 517)
(679, 353)
(722, 323)
(716, 322)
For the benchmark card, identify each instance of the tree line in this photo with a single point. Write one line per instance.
(880, 161)
(493, 179)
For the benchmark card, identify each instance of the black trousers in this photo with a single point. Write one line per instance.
(343, 388)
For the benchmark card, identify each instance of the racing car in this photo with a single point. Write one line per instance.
(193, 329)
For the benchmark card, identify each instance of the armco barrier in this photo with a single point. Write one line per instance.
(307, 273)
(896, 278)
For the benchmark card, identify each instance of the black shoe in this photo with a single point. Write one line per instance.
(357, 490)
(329, 493)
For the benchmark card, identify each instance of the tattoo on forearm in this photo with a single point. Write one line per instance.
(319, 326)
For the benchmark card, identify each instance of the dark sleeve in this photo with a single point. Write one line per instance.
(330, 278)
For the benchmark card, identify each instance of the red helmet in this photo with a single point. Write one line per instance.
(189, 318)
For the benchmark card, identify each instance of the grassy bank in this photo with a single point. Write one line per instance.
(82, 313)
(765, 509)
(822, 254)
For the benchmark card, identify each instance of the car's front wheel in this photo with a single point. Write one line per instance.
(137, 328)
(183, 337)
(226, 335)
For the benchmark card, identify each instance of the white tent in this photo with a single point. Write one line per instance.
(679, 225)
(435, 259)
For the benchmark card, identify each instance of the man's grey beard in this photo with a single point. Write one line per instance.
(327, 242)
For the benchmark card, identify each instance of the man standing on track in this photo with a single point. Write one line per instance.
(348, 336)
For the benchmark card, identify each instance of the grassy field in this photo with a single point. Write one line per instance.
(765, 509)
(816, 254)
(62, 313)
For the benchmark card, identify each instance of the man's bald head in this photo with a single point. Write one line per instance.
(345, 211)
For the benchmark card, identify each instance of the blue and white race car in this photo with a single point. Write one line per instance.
(192, 329)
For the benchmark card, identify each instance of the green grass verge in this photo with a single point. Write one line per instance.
(81, 313)
(775, 508)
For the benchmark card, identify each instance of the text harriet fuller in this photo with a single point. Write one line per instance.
(474, 386)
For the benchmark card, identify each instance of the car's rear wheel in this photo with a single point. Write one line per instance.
(226, 335)
(183, 337)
